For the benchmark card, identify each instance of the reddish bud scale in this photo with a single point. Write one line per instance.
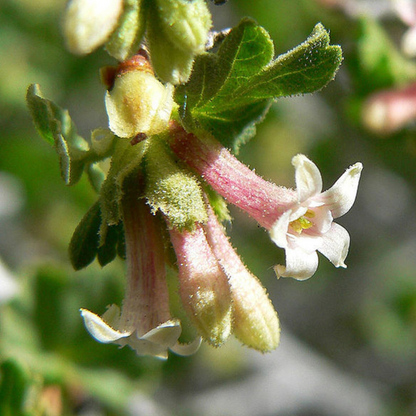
(138, 62)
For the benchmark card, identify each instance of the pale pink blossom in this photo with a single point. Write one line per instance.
(388, 111)
(308, 227)
(300, 221)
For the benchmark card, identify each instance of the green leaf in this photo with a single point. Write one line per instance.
(55, 125)
(231, 90)
(109, 248)
(85, 240)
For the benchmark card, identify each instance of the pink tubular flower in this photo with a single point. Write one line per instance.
(239, 185)
(145, 323)
(255, 321)
(203, 286)
(308, 226)
(218, 292)
(299, 221)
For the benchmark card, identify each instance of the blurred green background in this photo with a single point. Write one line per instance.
(348, 337)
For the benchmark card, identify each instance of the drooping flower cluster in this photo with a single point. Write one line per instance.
(219, 294)
(157, 184)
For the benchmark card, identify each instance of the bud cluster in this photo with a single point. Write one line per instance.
(175, 30)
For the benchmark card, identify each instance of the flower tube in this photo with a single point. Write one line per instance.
(203, 286)
(255, 321)
(145, 323)
(239, 185)
(299, 221)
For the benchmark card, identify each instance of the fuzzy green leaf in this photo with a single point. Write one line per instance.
(230, 91)
(109, 249)
(87, 242)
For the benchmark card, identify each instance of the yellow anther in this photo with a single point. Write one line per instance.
(302, 223)
(310, 214)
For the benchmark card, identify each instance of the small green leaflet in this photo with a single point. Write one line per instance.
(231, 90)
(87, 243)
(56, 126)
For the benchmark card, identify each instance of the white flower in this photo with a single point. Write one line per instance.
(155, 342)
(308, 227)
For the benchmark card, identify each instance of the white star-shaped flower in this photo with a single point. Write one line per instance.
(308, 227)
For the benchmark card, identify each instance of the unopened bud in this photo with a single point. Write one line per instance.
(204, 288)
(89, 23)
(125, 40)
(185, 23)
(390, 110)
(138, 102)
(255, 321)
(172, 190)
(177, 30)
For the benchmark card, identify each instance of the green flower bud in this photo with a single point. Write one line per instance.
(89, 23)
(138, 102)
(125, 40)
(177, 30)
(186, 23)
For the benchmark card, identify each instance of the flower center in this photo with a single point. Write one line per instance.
(303, 223)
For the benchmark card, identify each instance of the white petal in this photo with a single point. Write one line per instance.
(99, 329)
(166, 334)
(340, 198)
(187, 349)
(278, 232)
(308, 243)
(307, 176)
(322, 220)
(335, 245)
(299, 265)
(144, 347)
(155, 342)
